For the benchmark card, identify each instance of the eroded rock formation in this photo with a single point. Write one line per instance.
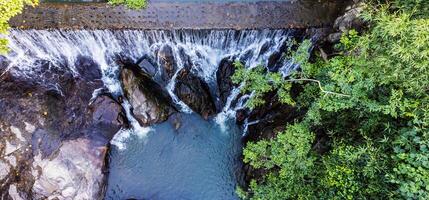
(195, 93)
(224, 83)
(150, 102)
(53, 142)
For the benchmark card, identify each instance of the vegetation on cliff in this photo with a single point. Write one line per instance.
(133, 4)
(8, 9)
(370, 104)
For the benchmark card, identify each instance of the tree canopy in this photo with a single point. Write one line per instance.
(371, 102)
(133, 4)
(8, 9)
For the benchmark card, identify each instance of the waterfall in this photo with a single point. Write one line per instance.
(204, 48)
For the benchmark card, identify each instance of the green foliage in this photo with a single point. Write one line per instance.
(133, 4)
(289, 161)
(354, 172)
(259, 83)
(8, 9)
(419, 8)
(371, 102)
(411, 172)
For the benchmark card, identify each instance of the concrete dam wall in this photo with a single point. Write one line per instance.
(180, 14)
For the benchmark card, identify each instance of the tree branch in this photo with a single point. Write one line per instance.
(320, 86)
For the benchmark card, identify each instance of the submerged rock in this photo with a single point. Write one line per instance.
(195, 93)
(150, 102)
(51, 140)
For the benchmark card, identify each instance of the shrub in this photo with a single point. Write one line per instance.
(133, 4)
(371, 102)
(8, 9)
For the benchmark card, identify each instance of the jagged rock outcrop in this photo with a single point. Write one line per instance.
(224, 83)
(52, 142)
(167, 62)
(107, 115)
(147, 64)
(195, 93)
(150, 102)
(351, 19)
(87, 68)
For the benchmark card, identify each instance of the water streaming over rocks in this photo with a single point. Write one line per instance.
(185, 157)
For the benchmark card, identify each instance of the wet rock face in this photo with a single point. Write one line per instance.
(52, 142)
(223, 75)
(151, 103)
(107, 116)
(167, 62)
(147, 65)
(87, 68)
(195, 93)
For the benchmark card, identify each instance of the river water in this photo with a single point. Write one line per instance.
(196, 161)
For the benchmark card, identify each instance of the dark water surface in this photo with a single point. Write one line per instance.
(197, 161)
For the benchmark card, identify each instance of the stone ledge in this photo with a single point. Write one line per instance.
(162, 15)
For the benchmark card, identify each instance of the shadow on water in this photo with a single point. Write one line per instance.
(196, 161)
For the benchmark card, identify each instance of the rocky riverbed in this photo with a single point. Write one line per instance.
(65, 94)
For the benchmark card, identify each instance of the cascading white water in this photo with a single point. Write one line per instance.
(204, 48)
(199, 160)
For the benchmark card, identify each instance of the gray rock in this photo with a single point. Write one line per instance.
(195, 93)
(167, 62)
(150, 102)
(53, 142)
(4, 170)
(74, 172)
(223, 76)
(351, 19)
(107, 115)
(148, 67)
(334, 37)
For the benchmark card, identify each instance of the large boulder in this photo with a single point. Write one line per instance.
(87, 68)
(74, 172)
(350, 20)
(150, 102)
(52, 141)
(224, 83)
(147, 65)
(195, 93)
(108, 116)
(167, 62)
